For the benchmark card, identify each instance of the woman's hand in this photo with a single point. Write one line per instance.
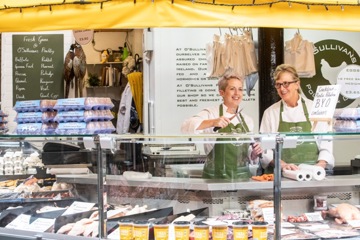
(321, 163)
(256, 151)
(221, 122)
(289, 166)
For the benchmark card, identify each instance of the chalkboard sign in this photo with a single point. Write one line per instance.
(38, 61)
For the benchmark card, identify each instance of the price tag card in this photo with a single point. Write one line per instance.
(78, 207)
(324, 103)
(40, 225)
(354, 223)
(268, 214)
(348, 78)
(314, 216)
(20, 223)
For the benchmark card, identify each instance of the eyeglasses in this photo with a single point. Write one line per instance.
(284, 84)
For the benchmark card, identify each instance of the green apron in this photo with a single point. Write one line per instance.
(306, 152)
(226, 160)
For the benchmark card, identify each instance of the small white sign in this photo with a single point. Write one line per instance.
(314, 216)
(22, 222)
(78, 207)
(324, 104)
(349, 79)
(268, 214)
(83, 37)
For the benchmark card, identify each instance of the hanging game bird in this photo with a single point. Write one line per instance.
(79, 66)
(68, 69)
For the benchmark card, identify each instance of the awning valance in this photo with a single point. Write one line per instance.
(27, 16)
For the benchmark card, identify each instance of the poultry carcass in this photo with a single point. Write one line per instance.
(68, 69)
(343, 213)
(79, 65)
(331, 73)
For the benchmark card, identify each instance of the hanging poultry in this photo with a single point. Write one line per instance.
(69, 70)
(79, 65)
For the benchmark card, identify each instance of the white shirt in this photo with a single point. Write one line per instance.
(270, 124)
(190, 125)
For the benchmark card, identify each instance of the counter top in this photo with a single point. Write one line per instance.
(198, 184)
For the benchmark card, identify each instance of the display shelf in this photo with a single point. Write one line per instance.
(190, 193)
(338, 182)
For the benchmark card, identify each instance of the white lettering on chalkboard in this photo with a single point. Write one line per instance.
(37, 66)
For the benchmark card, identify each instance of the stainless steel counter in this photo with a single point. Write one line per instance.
(343, 182)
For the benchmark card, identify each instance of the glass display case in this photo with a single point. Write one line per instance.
(153, 178)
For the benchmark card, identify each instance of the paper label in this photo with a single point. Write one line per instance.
(71, 102)
(78, 207)
(354, 223)
(325, 101)
(268, 214)
(22, 222)
(314, 216)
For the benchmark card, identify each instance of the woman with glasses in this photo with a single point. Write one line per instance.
(225, 160)
(291, 114)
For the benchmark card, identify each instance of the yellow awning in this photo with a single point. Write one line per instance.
(33, 15)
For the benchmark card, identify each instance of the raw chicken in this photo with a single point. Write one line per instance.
(89, 228)
(344, 212)
(79, 227)
(66, 228)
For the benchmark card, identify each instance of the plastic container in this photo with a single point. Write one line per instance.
(259, 230)
(240, 230)
(182, 230)
(161, 231)
(126, 229)
(219, 232)
(141, 230)
(320, 202)
(201, 231)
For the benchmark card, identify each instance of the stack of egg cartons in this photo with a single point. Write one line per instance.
(18, 163)
(347, 120)
(35, 117)
(3, 122)
(12, 163)
(89, 115)
(8, 163)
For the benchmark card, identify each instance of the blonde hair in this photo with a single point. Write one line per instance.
(223, 81)
(286, 68)
(282, 68)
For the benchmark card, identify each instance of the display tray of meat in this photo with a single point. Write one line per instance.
(58, 194)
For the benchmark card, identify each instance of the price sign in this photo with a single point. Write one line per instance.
(349, 79)
(83, 37)
(324, 104)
